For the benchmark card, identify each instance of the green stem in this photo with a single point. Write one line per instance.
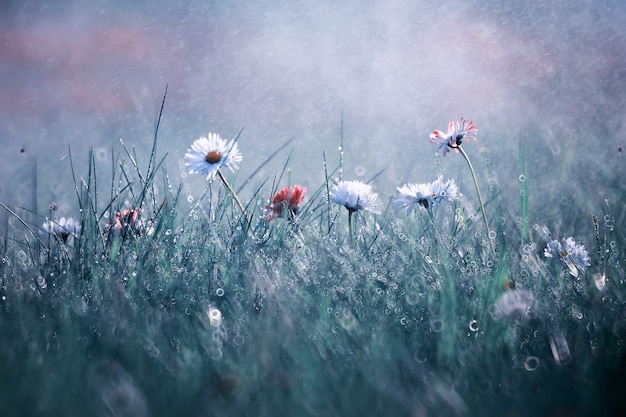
(232, 193)
(523, 191)
(480, 199)
(350, 225)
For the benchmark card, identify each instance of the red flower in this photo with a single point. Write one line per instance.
(290, 197)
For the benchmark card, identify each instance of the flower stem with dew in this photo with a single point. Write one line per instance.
(350, 225)
(523, 192)
(480, 199)
(232, 193)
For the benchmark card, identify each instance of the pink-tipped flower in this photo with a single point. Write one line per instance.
(126, 222)
(457, 131)
(290, 198)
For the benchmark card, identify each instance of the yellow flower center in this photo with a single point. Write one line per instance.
(213, 157)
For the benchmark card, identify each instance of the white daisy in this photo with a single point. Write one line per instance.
(569, 254)
(208, 155)
(426, 195)
(62, 229)
(354, 195)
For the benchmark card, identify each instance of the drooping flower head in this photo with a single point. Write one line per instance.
(62, 229)
(290, 198)
(354, 196)
(569, 254)
(208, 155)
(426, 195)
(457, 132)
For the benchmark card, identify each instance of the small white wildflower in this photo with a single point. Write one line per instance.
(426, 195)
(62, 229)
(208, 155)
(355, 196)
(569, 254)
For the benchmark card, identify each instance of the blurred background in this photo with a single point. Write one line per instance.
(83, 74)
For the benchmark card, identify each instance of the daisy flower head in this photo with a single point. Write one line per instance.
(426, 195)
(62, 229)
(457, 131)
(289, 198)
(569, 255)
(354, 196)
(208, 155)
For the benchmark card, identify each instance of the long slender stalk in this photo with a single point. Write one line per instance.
(350, 226)
(480, 199)
(232, 193)
(523, 191)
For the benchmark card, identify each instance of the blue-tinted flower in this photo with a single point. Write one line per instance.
(457, 131)
(427, 195)
(569, 254)
(355, 196)
(62, 229)
(208, 155)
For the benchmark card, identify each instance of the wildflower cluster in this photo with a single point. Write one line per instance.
(195, 296)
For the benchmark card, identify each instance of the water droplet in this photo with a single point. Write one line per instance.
(473, 325)
(436, 325)
(531, 363)
(215, 316)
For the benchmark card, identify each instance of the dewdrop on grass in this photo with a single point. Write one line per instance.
(215, 316)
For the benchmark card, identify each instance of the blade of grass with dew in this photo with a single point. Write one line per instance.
(156, 131)
(523, 191)
(265, 162)
(306, 209)
(151, 172)
(91, 197)
(341, 149)
(24, 222)
(327, 191)
(35, 205)
(375, 176)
